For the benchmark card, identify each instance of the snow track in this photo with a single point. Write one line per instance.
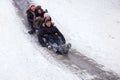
(75, 61)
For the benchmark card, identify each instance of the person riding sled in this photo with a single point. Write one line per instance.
(49, 36)
(33, 20)
(39, 12)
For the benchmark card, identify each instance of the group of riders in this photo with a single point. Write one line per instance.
(48, 35)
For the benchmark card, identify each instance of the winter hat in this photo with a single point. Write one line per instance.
(31, 5)
(46, 14)
(46, 21)
(47, 17)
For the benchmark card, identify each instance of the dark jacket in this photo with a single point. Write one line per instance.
(31, 16)
(50, 33)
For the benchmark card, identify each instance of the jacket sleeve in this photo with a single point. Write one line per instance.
(30, 17)
(40, 38)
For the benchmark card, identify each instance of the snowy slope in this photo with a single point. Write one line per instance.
(19, 59)
(92, 26)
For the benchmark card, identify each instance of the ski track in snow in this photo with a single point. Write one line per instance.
(19, 60)
(93, 27)
(85, 64)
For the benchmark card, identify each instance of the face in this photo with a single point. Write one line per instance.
(33, 8)
(48, 24)
(47, 17)
(39, 11)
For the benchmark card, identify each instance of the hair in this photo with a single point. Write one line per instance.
(38, 7)
(28, 10)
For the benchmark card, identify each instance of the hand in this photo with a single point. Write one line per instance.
(37, 18)
(56, 34)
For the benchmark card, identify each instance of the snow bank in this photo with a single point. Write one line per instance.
(19, 60)
(92, 26)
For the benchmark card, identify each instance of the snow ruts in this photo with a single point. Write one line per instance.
(75, 59)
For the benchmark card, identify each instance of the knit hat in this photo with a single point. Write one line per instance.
(31, 5)
(46, 21)
(46, 14)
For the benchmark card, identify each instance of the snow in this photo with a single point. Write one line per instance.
(92, 26)
(19, 59)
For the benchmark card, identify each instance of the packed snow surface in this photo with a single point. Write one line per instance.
(92, 26)
(19, 59)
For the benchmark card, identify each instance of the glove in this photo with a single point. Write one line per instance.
(46, 11)
(56, 34)
(37, 18)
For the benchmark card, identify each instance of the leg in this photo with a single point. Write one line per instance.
(54, 45)
(63, 48)
(32, 29)
(60, 40)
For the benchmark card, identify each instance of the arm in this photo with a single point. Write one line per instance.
(40, 38)
(30, 17)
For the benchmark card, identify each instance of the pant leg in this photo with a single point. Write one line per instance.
(62, 41)
(32, 27)
(59, 41)
(54, 45)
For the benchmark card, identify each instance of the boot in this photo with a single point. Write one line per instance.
(31, 32)
(69, 45)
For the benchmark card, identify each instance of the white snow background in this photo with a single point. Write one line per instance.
(19, 59)
(92, 26)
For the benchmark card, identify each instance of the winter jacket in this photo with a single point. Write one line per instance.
(50, 33)
(31, 16)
